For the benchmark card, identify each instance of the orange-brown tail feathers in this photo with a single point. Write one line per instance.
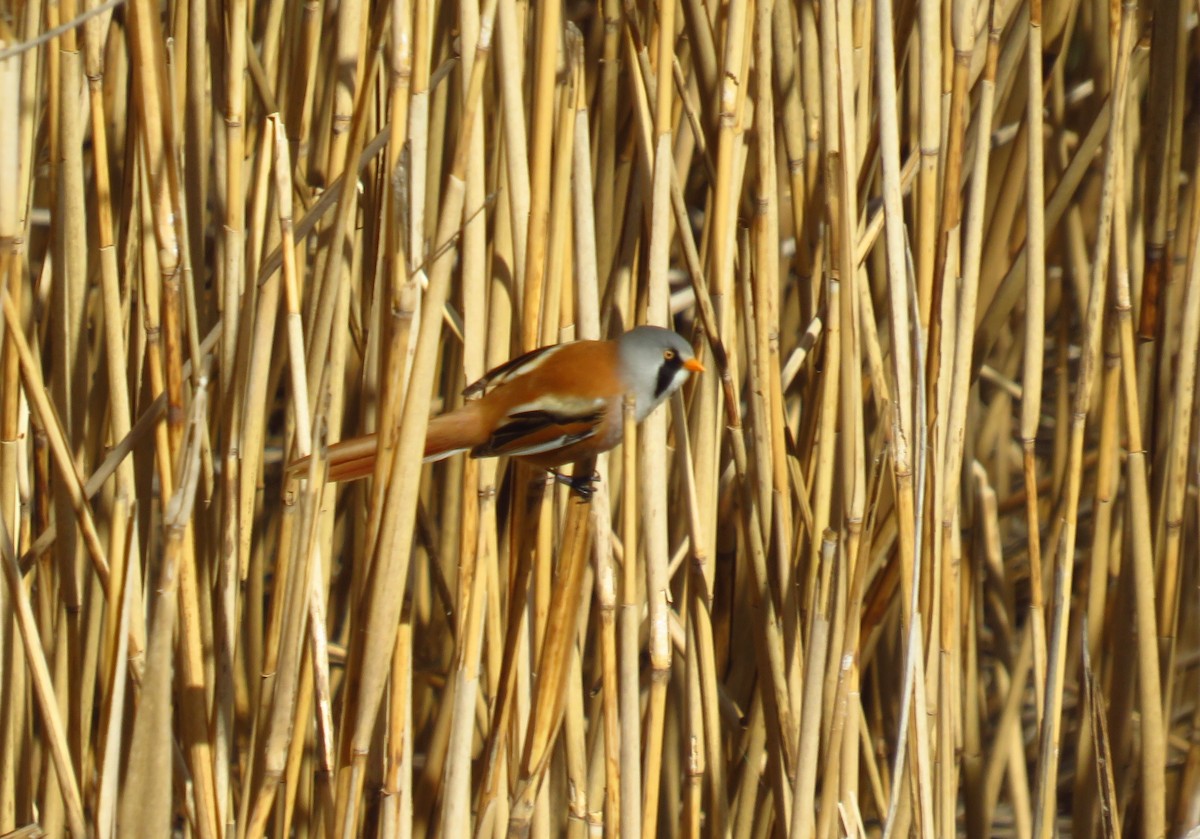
(448, 434)
(352, 459)
(349, 460)
(458, 431)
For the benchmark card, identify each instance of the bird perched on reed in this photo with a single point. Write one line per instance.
(550, 406)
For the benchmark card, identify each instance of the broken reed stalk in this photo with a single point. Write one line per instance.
(820, 581)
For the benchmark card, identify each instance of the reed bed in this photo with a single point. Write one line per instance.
(916, 556)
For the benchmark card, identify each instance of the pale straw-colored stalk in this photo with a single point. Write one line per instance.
(11, 223)
(1169, 546)
(151, 754)
(542, 124)
(930, 71)
(629, 649)
(1035, 327)
(231, 278)
(1056, 653)
(1153, 739)
(653, 438)
(472, 547)
(1164, 112)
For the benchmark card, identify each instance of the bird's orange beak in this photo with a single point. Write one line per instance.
(694, 365)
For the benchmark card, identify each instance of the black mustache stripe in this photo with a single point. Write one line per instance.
(666, 376)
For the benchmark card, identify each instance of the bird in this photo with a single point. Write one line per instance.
(551, 406)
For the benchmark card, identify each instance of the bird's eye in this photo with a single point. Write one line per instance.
(668, 354)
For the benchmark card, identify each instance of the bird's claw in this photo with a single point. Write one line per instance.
(581, 485)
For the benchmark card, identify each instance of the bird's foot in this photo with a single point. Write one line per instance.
(581, 485)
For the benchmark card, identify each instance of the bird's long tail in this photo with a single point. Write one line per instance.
(447, 435)
(458, 431)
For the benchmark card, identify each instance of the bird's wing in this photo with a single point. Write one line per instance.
(512, 368)
(542, 427)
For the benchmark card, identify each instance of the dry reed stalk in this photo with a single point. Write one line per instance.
(607, 120)
(10, 270)
(123, 512)
(399, 294)
(1110, 817)
(542, 123)
(1035, 313)
(151, 745)
(1164, 129)
(1105, 493)
(653, 436)
(67, 377)
(472, 548)
(1153, 745)
(630, 751)
(1170, 523)
(587, 231)
(1050, 746)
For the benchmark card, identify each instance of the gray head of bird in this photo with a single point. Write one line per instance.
(655, 362)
